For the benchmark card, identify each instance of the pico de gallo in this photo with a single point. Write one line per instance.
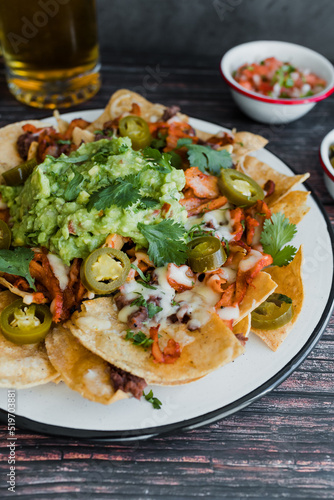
(278, 79)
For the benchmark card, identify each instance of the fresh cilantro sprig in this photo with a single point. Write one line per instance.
(17, 262)
(138, 339)
(208, 160)
(122, 192)
(166, 242)
(277, 232)
(155, 402)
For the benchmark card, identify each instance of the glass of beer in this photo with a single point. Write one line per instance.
(50, 48)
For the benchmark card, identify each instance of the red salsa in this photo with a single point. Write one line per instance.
(275, 78)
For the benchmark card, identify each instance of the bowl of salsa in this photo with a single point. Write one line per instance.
(327, 161)
(276, 82)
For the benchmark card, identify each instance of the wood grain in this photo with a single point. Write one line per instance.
(279, 447)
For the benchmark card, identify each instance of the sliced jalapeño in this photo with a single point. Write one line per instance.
(25, 324)
(105, 270)
(273, 313)
(239, 188)
(205, 254)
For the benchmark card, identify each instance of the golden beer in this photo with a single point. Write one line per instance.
(51, 50)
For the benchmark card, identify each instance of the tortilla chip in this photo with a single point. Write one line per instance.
(62, 124)
(210, 347)
(32, 153)
(289, 282)
(13, 288)
(261, 173)
(22, 365)
(246, 143)
(261, 287)
(80, 369)
(121, 102)
(293, 205)
(9, 156)
(82, 135)
(243, 327)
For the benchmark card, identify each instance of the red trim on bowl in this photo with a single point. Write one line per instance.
(270, 100)
(324, 167)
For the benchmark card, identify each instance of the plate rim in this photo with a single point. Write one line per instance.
(214, 415)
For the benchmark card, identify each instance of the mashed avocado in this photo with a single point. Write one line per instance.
(51, 209)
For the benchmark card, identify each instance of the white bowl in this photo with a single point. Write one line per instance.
(267, 109)
(327, 167)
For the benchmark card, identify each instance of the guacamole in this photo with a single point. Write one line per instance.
(53, 208)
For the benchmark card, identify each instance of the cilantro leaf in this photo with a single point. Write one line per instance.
(276, 233)
(140, 302)
(139, 339)
(123, 193)
(148, 202)
(151, 399)
(208, 160)
(161, 160)
(63, 141)
(73, 187)
(166, 243)
(284, 298)
(17, 262)
(70, 159)
(284, 256)
(140, 272)
(153, 309)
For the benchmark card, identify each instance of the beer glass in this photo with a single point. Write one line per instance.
(50, 49)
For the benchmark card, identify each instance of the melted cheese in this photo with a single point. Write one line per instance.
(178, 274)
(60, 270)
(228, 313)
(250, 261)
(219, 221)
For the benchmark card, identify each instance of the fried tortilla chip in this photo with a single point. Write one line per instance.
(262, 173)
(293, 205)
(9, 156)
(23, 365)
(246, 143)
(289, 282)
(62, 124)
(206, 349)
(261, 287)
(82, 135)
(80, 369)
(122, 102)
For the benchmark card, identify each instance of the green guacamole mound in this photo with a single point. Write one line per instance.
(41, 216)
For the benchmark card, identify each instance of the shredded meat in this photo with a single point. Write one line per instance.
(170, 112)
(242, 339)
(127, 382)
(137, 318)
(269, 187)
(24, 142)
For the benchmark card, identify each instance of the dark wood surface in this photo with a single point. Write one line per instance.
(281, 446)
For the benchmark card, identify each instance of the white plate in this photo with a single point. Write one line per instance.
(55, 409)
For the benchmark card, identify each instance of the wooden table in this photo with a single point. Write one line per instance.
(279, 447)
